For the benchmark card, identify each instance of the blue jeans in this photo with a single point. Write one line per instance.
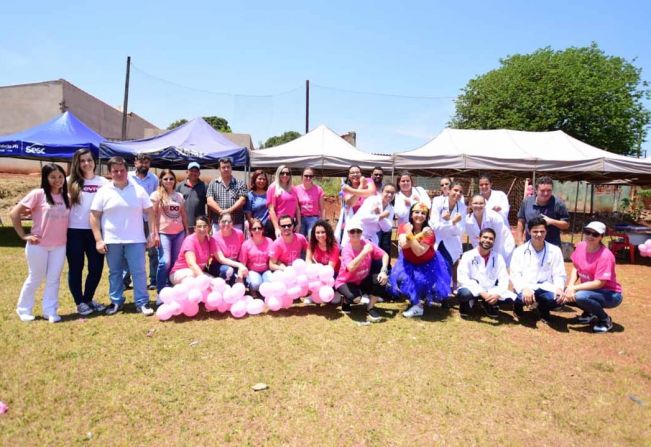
(168, 251)
(545, 299)
(80, 243)
(153, 261)
(226, 272)
(255, 279)
(307, 222)
(120, 257)
(594, 301)
(465, 295)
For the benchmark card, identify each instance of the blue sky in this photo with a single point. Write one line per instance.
(388, 70)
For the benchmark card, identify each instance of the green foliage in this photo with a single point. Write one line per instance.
(587, 94)
(216, 122)
(280, 139)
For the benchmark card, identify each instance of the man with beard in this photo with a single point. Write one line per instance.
(538, 272)
(193, 191)
(149, 182)
(482, 277)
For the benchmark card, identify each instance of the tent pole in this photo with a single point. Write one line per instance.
(576, 204)
(126, 100)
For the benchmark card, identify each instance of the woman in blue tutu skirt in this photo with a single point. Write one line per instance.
(419, 273)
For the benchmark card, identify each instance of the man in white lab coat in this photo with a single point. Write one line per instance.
(482, 277)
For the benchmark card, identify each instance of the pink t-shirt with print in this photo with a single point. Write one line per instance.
(309, 200)
(202, 252)
(325, 257)
(170, 221)
(347, 255)
(598, 265)
(50, 222)
(256, 257)
(230, 245)
(288, 253)
(285, 203)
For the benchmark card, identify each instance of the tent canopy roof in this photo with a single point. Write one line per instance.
(512, 152)
(195, 140)
(55, 140)
(320, 149)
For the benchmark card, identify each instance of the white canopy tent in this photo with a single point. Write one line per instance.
(511, 152)
(320, 149)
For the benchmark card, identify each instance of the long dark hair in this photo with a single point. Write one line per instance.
(330, 235)
(348, 182)
(411, 219)
(45, 183)
(254, 177)
(77, 176)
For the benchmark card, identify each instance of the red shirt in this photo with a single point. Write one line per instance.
(410, 256)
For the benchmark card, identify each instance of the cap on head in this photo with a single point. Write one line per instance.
(354, 224)
(193, 164)
(597, 226)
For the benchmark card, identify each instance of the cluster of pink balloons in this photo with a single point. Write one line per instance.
(645, 249)
(184, 298)
(299, 280)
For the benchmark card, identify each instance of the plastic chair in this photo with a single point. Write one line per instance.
(619, 242)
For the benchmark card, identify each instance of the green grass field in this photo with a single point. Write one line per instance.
(128, 379)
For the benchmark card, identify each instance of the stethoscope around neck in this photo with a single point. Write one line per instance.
(531, 250)
(478, 259)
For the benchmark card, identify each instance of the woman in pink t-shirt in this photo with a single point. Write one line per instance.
(282, 199)
(46, 243)
(255, 256)
(172, 224)
(358, 275)
(229, 243)
(197, 250)
(323, 248)
(597, 288)
(311, 199)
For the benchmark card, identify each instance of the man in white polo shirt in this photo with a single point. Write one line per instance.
(116, 220)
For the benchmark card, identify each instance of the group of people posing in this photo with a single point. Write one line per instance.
(250, 232)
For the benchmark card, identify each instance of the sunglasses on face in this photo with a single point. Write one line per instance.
(168, 179)
(256, 229)
(286, 225)
(284, 174)
(308, 176)
(355, 231)
(591, 233)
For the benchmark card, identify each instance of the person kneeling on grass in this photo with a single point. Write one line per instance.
(482, 276)
(356, 276)
(537, 272)
(288, 247)
(594, 268)
(197, 251)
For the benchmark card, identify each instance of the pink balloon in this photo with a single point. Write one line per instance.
(238, 310)
(210, 308)
(195, 295)
(294, 292)
(177, 308)
(239, 290)
(230, 296)
(254, 307)
(278, 276)
(218, 284)
(287, 301)
(315, 298)
(648, 244)
(326, 294)
(330, 282)
(326, 272)
(273, 303)
(290, 276)
(278, 288)
(644, 252)
(164, 312)
(641, 247)
(214, 299)
(224, 307)
(190, 308)
(265, 289)
(203, 282)
(166, 295)
(300, 266)
(312, 271)
(302, 280)
(315, 285)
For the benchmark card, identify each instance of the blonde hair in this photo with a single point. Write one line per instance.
(278, 188)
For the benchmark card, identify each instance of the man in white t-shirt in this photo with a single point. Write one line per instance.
(116, 219)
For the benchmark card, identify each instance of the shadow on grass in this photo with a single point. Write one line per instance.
(9, 238)
(328, 311)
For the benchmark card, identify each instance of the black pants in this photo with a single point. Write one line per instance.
(369, 285)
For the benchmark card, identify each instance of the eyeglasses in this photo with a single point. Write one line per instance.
(355, 173)
(256, 229)
(226, 222)
(355, 231)
(308, 176)
(284, 174)
(591, 233)
(169, 179)
(286, 225)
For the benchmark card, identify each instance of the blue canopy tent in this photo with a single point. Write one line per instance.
(55, 140)
(196, 141)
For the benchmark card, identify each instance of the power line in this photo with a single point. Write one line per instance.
(381, 94)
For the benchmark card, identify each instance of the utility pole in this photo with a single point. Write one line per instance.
(126, 100)
(307, 106)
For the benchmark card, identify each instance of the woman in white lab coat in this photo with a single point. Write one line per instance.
(481, 218)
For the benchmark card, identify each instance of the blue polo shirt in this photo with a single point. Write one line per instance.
(554, 208)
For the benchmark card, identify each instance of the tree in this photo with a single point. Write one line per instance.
(281, 139)
(593, 97)
(216, 122)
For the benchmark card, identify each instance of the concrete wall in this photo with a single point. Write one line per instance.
(25, 106)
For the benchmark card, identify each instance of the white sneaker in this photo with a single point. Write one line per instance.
(25, 317)
(414, 311)
(307, 301)
(53, 318)
(365, 299)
